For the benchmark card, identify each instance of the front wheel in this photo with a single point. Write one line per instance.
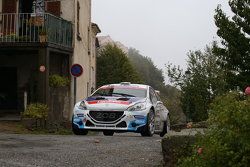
(79, 131)
(149, 129)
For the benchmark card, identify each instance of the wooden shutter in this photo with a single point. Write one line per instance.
(8, 20)
(9, 6)
(54, 8)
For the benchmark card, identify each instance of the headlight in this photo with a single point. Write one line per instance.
(138, 107)
(82, 106)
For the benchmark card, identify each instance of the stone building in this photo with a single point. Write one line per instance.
(43, 38)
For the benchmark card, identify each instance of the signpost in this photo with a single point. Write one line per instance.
(76, 70)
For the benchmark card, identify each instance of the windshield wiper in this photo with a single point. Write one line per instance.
(123, 94)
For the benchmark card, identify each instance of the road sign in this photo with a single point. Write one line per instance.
(76, 70)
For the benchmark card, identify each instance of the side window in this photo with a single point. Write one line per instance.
(153, 97)
(158, 97)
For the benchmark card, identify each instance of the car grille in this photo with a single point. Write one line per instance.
(106, 116)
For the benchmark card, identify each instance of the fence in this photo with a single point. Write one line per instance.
(26, 27)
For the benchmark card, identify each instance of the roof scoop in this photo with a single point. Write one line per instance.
(100, 98)
(123, 99)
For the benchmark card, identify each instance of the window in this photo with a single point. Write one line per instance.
(78, 22)
(158, 97)
(121, 91)
(152, 95)
(54, 7)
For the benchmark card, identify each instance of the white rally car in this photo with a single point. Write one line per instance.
(121, 107)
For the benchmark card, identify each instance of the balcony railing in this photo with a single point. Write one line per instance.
(28, 28)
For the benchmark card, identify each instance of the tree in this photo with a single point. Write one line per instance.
(204, 82)
(150, 74)
(113, 66)
(153, 76)
(235, 51)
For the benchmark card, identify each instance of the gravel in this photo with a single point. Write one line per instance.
(126, 149)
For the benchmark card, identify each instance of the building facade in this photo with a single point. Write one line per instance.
(40, 39)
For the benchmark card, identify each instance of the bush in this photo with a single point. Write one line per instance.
(36, 111)
(58, 81)
(176, 146)
(227, 141)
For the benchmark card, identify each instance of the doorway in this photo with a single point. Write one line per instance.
(8, 88)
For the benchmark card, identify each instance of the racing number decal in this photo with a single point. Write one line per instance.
(105, 115)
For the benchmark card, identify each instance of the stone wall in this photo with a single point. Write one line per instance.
(59, 105)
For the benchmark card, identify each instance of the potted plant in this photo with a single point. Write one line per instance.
(43, 34)
(56, 81)
(36, 20)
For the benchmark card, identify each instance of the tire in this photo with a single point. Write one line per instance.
(149, 128)
(108, 133)
(166, 127)
(79, 131)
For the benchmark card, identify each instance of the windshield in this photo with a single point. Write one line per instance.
(127, 91)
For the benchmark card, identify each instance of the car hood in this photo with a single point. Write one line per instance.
(107, 103)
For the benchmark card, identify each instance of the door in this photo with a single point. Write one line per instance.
(8, 88)
(9, 9)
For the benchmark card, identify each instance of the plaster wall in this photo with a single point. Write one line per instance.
(1, 6)
(82, 47)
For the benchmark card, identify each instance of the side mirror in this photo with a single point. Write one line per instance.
(158, 92)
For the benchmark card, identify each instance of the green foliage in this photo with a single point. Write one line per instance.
(227, 141)
(36, 110)
(56, 80)
(235, 50)
(151, 75)
(175, 147)
(171, 99)
(113, 66)
(206, 80)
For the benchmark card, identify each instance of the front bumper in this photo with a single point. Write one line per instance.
(126, 121)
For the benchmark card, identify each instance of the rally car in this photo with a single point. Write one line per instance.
(123, 107)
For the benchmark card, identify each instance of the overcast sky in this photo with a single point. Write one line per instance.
(164, 30)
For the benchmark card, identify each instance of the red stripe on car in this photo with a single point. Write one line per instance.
(108, 101)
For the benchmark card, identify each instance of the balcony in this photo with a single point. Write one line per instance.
(26, 28)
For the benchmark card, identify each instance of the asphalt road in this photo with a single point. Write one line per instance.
(125, 150)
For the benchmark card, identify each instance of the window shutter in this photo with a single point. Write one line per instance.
(9, 6)
(8, 21)
(54, 8)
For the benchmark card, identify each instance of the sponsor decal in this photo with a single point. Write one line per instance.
(109, 101)
(105, 115)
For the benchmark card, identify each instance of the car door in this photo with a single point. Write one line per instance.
(157, 107)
